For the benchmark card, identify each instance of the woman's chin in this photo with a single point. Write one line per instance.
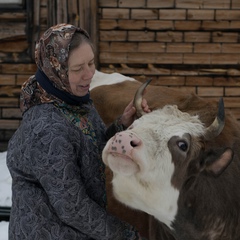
(81, 93)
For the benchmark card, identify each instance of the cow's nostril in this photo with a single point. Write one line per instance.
(134, 143)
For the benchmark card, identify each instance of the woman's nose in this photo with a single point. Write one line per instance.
(88, 73)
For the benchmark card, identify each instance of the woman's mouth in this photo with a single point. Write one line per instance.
(85, 87)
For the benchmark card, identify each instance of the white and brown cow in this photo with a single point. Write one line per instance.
(180, 168)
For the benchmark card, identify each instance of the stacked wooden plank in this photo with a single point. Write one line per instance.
(15, 67)
(183, 44)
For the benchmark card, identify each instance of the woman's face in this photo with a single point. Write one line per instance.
(81, 68)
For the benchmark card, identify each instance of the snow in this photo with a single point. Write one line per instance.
(3, 230)
(99, 78)
(5, 193)
(5, 183)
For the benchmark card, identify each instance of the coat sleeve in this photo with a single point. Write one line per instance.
(57, 170)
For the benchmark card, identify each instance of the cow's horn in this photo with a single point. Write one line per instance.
(138, 98)
(218, 124)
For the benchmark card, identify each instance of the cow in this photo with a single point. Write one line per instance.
(180, 164)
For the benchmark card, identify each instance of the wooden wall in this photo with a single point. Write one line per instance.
(15, 66)
(179, 43)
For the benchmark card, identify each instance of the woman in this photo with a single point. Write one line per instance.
(58, 189)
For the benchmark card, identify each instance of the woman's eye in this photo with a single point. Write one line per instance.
(183, 146)
(77, 70)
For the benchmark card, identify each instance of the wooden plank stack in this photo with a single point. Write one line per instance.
(179, 43)
(20, 27)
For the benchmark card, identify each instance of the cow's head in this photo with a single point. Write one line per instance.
(150, 159)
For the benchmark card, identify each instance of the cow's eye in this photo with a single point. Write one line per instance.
(183, 145)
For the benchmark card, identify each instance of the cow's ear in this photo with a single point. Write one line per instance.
(217, 161)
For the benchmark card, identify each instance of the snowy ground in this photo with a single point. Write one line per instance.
(3, 230)
(5, 193)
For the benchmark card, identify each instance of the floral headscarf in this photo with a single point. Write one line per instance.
(51, 57)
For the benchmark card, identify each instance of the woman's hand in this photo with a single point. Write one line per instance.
(128, 115)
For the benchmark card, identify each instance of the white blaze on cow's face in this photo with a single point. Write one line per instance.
(141, 160)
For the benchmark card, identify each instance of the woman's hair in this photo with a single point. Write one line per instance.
(77, 40)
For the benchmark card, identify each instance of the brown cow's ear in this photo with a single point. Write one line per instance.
(217, 163)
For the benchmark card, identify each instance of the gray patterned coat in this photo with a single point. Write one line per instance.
(58, 184)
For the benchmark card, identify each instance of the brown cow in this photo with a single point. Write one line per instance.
(110, 102)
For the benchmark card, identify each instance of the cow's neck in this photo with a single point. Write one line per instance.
(160, 203)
